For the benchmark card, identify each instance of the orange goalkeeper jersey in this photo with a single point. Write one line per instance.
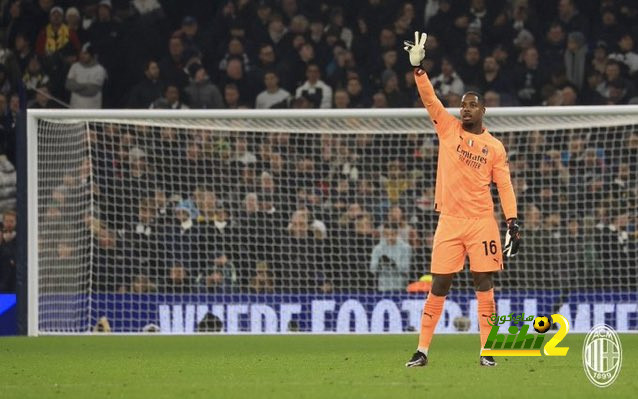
(468, 164)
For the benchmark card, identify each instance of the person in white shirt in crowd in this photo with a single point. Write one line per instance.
(85, 80)
(448, 81)
(273, 96)
(315, 89)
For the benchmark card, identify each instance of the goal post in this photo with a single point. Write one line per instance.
(268, 221)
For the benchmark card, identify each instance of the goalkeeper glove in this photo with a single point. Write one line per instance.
(512, 238)
(416, 49)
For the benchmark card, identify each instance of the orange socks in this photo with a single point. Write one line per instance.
(486, 307)
(431, 314)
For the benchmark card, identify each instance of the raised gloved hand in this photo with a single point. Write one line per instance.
(416, 49)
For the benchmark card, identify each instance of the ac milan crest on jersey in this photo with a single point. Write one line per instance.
(484, 150)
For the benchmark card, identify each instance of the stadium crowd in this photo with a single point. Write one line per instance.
(303, 200)
(199, 211)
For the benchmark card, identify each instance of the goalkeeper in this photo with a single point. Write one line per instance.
(470, 159)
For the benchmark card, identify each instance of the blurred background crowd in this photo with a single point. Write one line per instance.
(188, 210)
(322, 54)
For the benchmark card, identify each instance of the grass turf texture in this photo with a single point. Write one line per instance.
(332, 367)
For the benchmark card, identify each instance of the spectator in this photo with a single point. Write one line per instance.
(251, 222)
(570, 18)
(528, 78)
(279, 35)
(627, 54)
(267, 62)
(617, 247)
(608, 30)
(140, 244)
(274, 96)
(448, 81)
(614, 83)
(201, 93)
(590, 94)
(170, 100)
(262, 282)
(337, 24)
(575, 58)
(470, 69)
(538, 238)
(178, 280)
(302, 254)
(396, 182)
(85, 80)
(395, 97)
(5, 81)
(191, 37)
(569, 95)
(56, 35)
(344, 64)
(42, 99)
(356, 229)
(231, 97)
(599, 60)
(404, 230)
(391, 261)
(235, 50)
(105, 35)
(492, 78)
(524, 18)
(149, 89)
(23, 50)
(379, 100)
(440, 20)
(181, 238)
(492, 99)
(242, 155)
(172, 68)
(315, 89)
(264, 14)
(142, 285)
(74, 21)
(8, 252)
(193, 167)
(341, 99)
(357, 96)
(317, 40)
(216, 242)
(34, 76)
(554, 47)
(235, 74)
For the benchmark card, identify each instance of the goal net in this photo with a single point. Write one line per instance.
(314, 221)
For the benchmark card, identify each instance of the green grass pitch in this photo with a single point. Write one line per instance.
(280, 367)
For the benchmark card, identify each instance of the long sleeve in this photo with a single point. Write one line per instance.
(501, 176)
(439, 115)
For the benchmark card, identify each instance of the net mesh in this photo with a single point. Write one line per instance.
(145, 208)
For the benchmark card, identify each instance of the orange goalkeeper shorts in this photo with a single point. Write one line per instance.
(457, 237)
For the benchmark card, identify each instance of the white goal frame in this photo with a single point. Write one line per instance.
(533, 117)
